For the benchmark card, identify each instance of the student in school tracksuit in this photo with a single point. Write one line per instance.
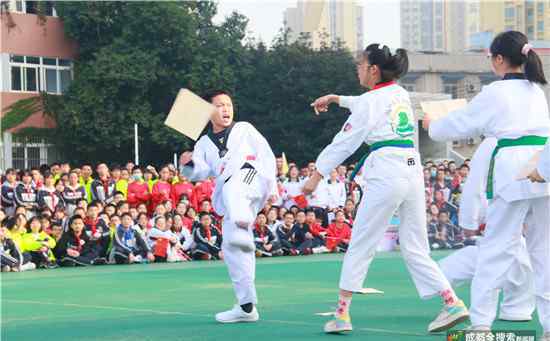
(518, 294)
(208, 239)
(8, 192)
(384, 119)
(245, 169)
(128, 245)
(515, 111)
(75, 248)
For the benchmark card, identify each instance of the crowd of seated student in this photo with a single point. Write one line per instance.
(59, 215)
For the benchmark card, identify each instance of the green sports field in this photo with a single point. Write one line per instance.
(178, 302)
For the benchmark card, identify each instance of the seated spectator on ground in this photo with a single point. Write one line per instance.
(39, 244)
(284, 234)
(75, 247)
(266, 243)
(184, 235)
(301, 237)
(11, 258)
(97, 230)
(454, 234)
(338, 234)
(319, 232)
(128, 245)
(164, 242)
(208, 239)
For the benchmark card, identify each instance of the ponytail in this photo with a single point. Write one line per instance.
(392, 66)
(515, 48)
(533, 68)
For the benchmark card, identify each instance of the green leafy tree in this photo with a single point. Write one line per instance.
(135, 56)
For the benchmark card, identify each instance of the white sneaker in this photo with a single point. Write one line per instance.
(28, 266)
(545, 337)
(242, 239)
(237, 314)
(515, 318)
(449, 317)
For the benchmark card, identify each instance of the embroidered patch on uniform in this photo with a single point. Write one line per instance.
(347, 127)
(402, 119)
(411, 162)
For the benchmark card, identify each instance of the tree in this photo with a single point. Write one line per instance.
(135, 56)
(276, 95)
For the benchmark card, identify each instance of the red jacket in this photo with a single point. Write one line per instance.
(316, 229)
(138, 193)
(188, 223)
(180, 189)
(161, 192)
(335, 235)
(204, 191)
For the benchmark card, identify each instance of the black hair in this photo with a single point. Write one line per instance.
(10, 171)
(120, 204)
(25, 173)
(510, 46)
(202, 214)
(392, 66)
(126, 214)
(94, 203)
(209, 95)
(73, 218)
(118, 193)
(289, 212)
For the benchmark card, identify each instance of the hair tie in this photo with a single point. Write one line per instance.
(526, 48)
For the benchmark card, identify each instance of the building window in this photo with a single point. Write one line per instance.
(33, 74)
(451, 88)
(540, 8)
(510, 13)
(540, 26)
(30, 152)
(33, 7)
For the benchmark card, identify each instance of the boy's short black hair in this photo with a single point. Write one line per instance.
(202, 214)
(126, 214)
(209, 95)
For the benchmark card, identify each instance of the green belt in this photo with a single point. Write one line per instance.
(378, 145)
(530, 140)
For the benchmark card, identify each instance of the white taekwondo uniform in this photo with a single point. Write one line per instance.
(514, 111)
(459, 268)
(394, 181)
(240, 193)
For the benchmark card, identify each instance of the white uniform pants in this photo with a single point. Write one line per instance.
(518, 298)
(402, 189)
(242, 196)
(498, 262)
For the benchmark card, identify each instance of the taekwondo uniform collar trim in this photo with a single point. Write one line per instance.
(510, 76)
(383, 85)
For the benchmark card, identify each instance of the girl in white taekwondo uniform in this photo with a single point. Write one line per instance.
(515, 111)
(245, 169)
(518, 292)
(383, 118)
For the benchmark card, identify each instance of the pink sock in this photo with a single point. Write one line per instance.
(343, 307)
(449, 297)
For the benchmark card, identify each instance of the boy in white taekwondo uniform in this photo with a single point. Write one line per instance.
(515, 111)
(518, 293)
(384, 119)
(245, 169)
